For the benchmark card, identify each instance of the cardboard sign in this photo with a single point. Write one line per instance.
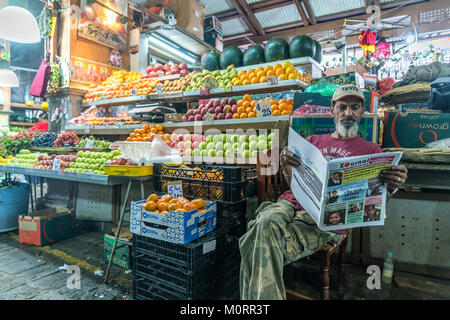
(272, 81)
(175, 189)
(264, 109)
(209, 118)
(56, 164)
(159, 89)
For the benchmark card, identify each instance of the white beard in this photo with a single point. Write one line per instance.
(347, 132)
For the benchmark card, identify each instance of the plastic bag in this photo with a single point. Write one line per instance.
(85, 116)
(440, 144)
(324, 88)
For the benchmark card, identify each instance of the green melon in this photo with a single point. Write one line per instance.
(276, 49)
(211, 60)
(302, 46)
(318, 55)
(231, 56)
(254, 55)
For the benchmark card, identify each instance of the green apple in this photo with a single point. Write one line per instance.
(234, 138)
(243, 138)
(227, 146)
(246, 153)
(235, 146)
(219, 146)
(196, 152)
(219, 153)
(209, 139)
(218, 138)
(212, 153)
(211, 146)
(253, 146)
(228, 153)
(271, 136)
(253, 137)
(262, 137)
(269, 145)
(262, 145)
(204, 153)
(203, 145)
(245, 146)
(254, 154)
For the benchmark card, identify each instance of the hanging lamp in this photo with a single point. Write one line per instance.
(18, 25)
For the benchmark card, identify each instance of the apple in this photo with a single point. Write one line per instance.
(166, 67)
(196, 152)
(190, 112)
(245, 146)
(227, 146)
(246, 153)
(191, 118)
(203, 145)
(211, 145)
(271, 136)
(218, 110)
(196, 137)
(210, 104)
(216, 103)
(187, 137)
(235, 146)
(168, 73)
(218, 138)
(219, 153)
(227, 108)
(188, 152)
(180, 145)
(211, 153)
(183, 66)
(229, 115)
(234, 108)
(221, 116)
(195, 145)
(198, 117)
(166, 137)
(219, 146)
(204, 111)
(253, 137)
(254, 154)
(262, 145)
(262, 137)
(184, 72)
(223, 102)
(210, 138)
(228, 153)
(173, 144)
(187, 145)
(253, 146)
(269, 145)
(204, 153)
(243, 138)
(231, 101)
(158, 67)
(153, 74)
(174, 137)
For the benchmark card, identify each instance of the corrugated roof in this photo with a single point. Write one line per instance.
(234, 26)
(322, 8)
(255, 1)
(216, 6)
(278, 16)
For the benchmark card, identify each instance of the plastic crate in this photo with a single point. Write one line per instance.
(224, 183)
(191, 256)
(128, 171)
(149, 288)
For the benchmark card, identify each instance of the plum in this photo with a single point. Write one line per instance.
(234, 108)
(190, 112)
(231, 101)
(191, 118)
(216, 103)
(184, 118)
(198, 117)
(220, 116)
(229, 115)
(224, 102)
(218, 110)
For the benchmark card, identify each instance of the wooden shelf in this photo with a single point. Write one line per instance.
(21, 124)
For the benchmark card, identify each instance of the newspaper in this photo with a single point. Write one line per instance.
(341, 193)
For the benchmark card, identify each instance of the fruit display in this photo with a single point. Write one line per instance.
(167, 203)
(66, 139)
(110, 121)
(98, 144)
(24, 159)
(45, 140)
(231, 56)
(45, 162)
(211, 60)
(254, 55)
(158, 70)
(121, 76)
(136, 87)
(302, 46)
(232, 145)
(91, 162)
(178, 85)
(222, 77)
(229, 108)
(183, 142)
(53, 85)
(146, 134)
(276, 49)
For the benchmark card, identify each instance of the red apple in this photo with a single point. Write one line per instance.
(166, 67)
(150, 68)
(191, 118)
(229, 116)
(234, 108)
(180, 137)
(158, 67)
(153, 74)
(174, 137)
(183, 66)
(184, 72)
(198, 117)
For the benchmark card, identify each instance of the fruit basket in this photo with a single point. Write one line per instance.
(223, 183)
(128, 171)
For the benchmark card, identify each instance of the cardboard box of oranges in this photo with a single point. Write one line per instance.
(173, 220)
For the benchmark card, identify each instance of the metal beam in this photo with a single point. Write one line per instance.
(244, 17)
(312, 18)
(302, 12)
(257, 7)
(389, 12)
(248, 11)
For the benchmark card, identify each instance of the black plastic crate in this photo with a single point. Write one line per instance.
(190, 256)
(149, 288)
(224, 183)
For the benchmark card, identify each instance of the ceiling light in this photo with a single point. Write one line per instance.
(170, 49)
(8, 78)
(18, 25)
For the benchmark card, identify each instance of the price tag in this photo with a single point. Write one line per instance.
(89, 144)
(134, 92)
(159, 89)
(209, 118)
(175, 189)
(56, 164)
(272, 81)
(264, 109)
(204, 91)
(89, 171)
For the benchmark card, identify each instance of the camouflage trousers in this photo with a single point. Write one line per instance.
(276, 237)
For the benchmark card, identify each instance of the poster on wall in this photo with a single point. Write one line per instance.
(84, 70)
(101, 23)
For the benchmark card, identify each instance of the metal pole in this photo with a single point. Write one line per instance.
(344, 56)
(122, 214)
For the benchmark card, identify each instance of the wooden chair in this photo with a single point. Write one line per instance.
(270, 188)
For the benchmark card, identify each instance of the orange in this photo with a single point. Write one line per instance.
(189, 206)
(275, 108)
(255, 80)
(253, 103)
(240, 73)
(241, 110)
(283, 106)
(164, 212)
(199, 203)
(263, 79)
(247, 97)
(267, 69)
(182, 200)
(180, 210)
(166, 198)
(260, 74)
(284, 112)
(282, 77)
(236, 116)
(249, 71)
(270, 73)
(246, 82)
(259, 69)
(273, 102)
(150, 206)
(290, 70)
(246, 104)
(173, 206)
(244, 115)
(276, 66)
(243, 77)
(276, 113)
(292, 76)
(159, 127)
(240, 102)
(163, 206)
(287, 64)
(249, 109)
(173, 201)
(252, 114)
(279, 72)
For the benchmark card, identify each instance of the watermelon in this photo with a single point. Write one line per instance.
(254, 55)
(276, 49)
(211, 60)
(318, 55)
(302, 46)
(231, 56)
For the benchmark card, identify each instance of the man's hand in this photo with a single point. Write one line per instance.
(394, 176)
(287, 161)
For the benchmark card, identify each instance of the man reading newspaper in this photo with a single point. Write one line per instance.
(283, 232)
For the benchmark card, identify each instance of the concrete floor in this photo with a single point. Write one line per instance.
(28, 272)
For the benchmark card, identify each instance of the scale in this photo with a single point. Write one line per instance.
(153, 112)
